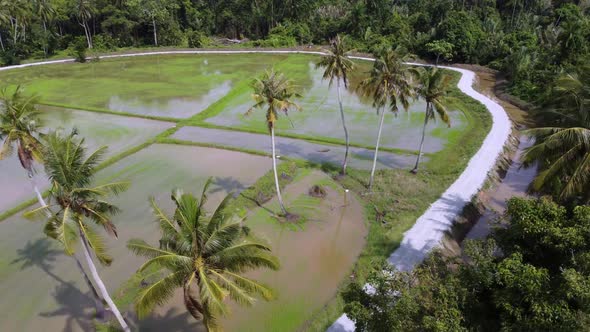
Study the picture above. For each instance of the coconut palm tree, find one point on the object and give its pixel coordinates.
(564, 150)
(389, 84)
(205, 256)
(20, 124)
(274, 92)
(79, 205)
(433, 86)
(337, 66)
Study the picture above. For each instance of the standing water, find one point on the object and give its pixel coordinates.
(515, 183)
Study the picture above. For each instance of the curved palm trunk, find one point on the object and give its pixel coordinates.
(426, 116)
(97, 299)
(101, 287)
(345, 162)
(274, 168)
(371, 180)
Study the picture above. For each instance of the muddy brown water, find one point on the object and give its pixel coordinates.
(42, 289)
(514, 184)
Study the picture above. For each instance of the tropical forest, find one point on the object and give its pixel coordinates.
(294, 165)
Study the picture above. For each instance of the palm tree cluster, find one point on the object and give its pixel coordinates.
(391, 84)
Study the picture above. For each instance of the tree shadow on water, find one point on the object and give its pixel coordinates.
(75, 307)
(174, 320)
(39, 254)
(227, 184)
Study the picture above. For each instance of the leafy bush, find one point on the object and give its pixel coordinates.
(9, 58)
(78, 49)
(104, 42)
(197, 39)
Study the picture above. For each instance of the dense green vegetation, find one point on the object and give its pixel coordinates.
(531, 41)
(530, 275)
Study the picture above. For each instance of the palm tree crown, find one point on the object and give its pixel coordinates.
(275, 92)
(336, 62)
(433, 86)
(71, 173)
(564, 150)
(19, 124)
(207, 252)
(389, 81)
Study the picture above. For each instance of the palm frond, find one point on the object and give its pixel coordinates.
(235, 292)
(158, 293)
(96, 242)
(142, 248)
(252, 286)
(212, 294)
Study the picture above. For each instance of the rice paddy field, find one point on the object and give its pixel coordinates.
(174, 121)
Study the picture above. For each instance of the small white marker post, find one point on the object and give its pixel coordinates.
(346, 197)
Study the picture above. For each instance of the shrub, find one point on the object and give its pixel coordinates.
(197, 39)
(78, 49)
(9, 58)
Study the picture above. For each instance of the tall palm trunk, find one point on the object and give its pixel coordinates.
(513, 12)
(97, 299)
(46, 41)
(101, 287)
(2, 43)
(426, 116)
(155, 31)
(274, 168)
(87, 33)
(372, 179)
(345, 162)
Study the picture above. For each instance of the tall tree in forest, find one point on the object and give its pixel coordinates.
(84, 12)
(274, 92)
(44, 11)
(337, 66)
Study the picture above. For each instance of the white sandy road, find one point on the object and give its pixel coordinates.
(430, 228)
